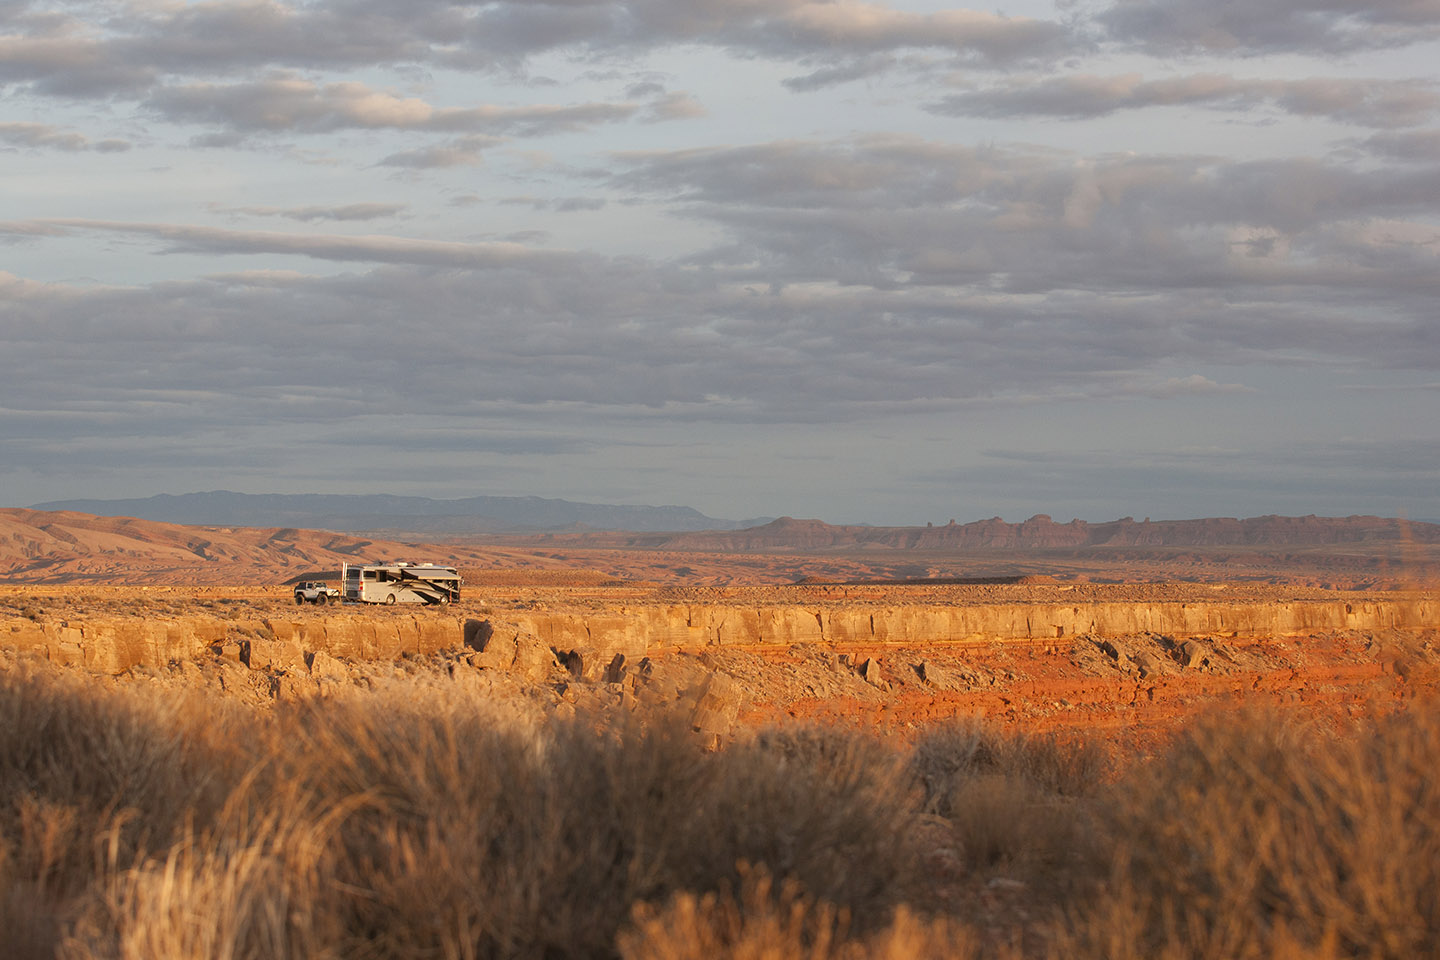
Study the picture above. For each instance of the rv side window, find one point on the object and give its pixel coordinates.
(371, 574)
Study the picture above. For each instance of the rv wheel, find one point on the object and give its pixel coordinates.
(390, 599)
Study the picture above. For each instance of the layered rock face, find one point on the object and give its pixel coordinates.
(115, 645)
(640, 630)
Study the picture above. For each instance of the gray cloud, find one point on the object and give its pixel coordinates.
(782, 29)
(576, 204)
(1274, 26)
(1365, 102)
(1113, 261)
(17, 230)
(862, 28)
(311, 214)
(1025, 258)
(910, 188)
(1419, 146)
(674, 106)
(43, 135)
(855, 68)
(852, 300)
(183, 238)
(1193, 385)
(99, 52)
(288, 102)
(560, 204)
(459, 152)
(861, 275)
(1322, 475)
(65, 59)
(432, 437)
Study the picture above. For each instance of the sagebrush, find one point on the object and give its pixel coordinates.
(422, 822)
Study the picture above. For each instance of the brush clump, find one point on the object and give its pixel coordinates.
(415, 822)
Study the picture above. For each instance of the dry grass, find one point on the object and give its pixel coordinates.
(407, 824)
(769, 921)
(1019, 805)
(1258, 837)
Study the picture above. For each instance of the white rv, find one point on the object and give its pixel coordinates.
(399, 582)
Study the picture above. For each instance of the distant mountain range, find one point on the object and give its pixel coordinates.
(383, 512)
(1040, 532)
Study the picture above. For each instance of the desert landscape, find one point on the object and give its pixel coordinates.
(719, 480)
(796, 740)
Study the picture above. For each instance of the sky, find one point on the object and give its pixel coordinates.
(869, 262)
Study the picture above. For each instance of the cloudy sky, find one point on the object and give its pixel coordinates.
(870, 262)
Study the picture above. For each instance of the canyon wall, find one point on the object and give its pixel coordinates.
(639, 630)
(114, 645)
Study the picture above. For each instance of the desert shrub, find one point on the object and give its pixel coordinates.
(29, 919)
(769, 921)
(1258, 837)
(472, 839)
(948, 753)
(1014, 800)
(91, 781)
(835, 811)
(423, 821)
(86, 772)
(217, 899)
(475, 838)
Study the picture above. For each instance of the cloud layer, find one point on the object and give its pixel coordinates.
(725, 249)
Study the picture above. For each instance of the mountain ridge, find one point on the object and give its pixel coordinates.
(363, 513)
(1041, 532)
(69, 547)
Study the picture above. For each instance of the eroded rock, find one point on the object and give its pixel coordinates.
(477, 633)
(1148, 664)
(1194, 653)
(534, 661)
(496, 652)
(717, 706)
(325, 667)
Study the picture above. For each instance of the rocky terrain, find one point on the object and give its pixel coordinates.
(872, 635)
(1344, 552)
(1132, 660)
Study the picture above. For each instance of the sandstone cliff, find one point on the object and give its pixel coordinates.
(113, 645)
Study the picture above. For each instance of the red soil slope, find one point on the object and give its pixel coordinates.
(63, 547)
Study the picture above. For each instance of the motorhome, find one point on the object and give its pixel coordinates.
(399, 582)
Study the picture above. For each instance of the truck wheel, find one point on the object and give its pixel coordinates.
(323, 599)
(299, 599)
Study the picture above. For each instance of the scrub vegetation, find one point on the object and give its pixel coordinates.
(395, 823)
